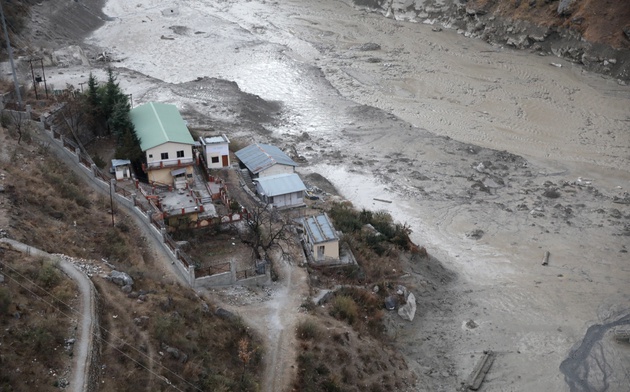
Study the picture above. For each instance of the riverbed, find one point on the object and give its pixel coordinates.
(492, 156)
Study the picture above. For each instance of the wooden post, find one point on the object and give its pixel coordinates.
(479, 373)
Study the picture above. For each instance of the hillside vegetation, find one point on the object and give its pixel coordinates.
(598, 21)
(157, 335)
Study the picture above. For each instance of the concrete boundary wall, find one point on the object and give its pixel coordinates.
(71, 155)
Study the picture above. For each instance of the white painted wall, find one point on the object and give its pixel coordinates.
(216, 150)
(154, 154)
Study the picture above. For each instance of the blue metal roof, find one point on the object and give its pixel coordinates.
(258, 157)
(120, 162)
(319, 229)
(281, 184)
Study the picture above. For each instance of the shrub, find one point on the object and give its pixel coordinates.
(308, 305)
(307, 330)
(344, 308)
(63, 294)
(115, 247)
(235, 207)
(98, 161)
(5, 120)
(165, 327)
(5, 300)
(48, 276)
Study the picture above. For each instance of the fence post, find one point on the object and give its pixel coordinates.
(191, 275)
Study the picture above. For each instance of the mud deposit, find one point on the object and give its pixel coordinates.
(492, 156)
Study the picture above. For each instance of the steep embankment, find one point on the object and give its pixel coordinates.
(593, 33)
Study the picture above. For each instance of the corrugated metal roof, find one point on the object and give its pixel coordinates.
(258, 157)
(120, 162)
(319, 228)
(159, 123)
(281, 184)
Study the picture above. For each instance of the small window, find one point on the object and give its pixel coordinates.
(150, 155)
(165, 155)
(215, 159)
(180, 154)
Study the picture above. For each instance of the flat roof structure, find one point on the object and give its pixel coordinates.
(215, 139)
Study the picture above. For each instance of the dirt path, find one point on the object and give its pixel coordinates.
(83, 354)
(273, 313)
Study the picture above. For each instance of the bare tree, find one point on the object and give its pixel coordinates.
(264, 229)
(19, 125)
(73, 118)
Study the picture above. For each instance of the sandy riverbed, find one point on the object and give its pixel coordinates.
(418, 120)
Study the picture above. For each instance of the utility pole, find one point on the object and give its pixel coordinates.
(41, 61)
(33, 76)
(112, 184)
(10, 52)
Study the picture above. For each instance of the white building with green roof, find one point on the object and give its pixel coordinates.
(166, 142)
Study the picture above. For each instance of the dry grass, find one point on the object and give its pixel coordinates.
(52, 209)
(333, 357)
(34, 323)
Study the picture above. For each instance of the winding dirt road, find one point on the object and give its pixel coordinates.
(274, 315)
(88, 322)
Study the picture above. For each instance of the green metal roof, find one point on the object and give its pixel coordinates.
(159, 123)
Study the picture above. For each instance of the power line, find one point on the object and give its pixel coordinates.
(100, 327)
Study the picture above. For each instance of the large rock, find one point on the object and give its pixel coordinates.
(408, 310)
(564, 7)
(226, 314)
(70, 56)
(120, 278)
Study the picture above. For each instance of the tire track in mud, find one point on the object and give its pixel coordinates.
(578, 368)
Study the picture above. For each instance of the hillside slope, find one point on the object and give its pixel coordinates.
(590, 32)
(600, 22)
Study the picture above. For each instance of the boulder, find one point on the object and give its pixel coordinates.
(564, 7)
(367, 47)
(402, 291)
(126, 289)
(475, 234)
(174, 353)
(408, 310)
(390, 302)
(70, 56)
(225, 314)
(120, 278)
(551, 193)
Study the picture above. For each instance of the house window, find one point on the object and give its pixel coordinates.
(180, 154)
(215, 159)
(165, 155)
(150, 155)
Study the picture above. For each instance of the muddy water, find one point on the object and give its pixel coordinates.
(448, 84)
(587, 368)
(429, 87)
